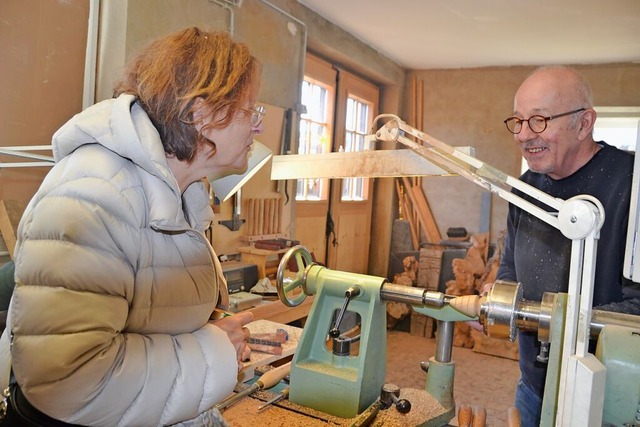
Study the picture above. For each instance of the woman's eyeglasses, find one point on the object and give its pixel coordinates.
(257, 114)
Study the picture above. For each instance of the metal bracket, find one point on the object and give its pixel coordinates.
(234, 223)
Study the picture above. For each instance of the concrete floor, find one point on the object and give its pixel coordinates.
(480, 379)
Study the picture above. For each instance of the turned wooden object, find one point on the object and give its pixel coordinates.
(465, 416)
(513, 417)
(467, 304)
(479, 417)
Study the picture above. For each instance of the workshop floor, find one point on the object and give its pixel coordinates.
(480, 379)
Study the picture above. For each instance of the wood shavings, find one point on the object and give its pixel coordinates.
(423, 408)
(287, 414)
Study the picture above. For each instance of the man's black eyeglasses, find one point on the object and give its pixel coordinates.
(536, 123)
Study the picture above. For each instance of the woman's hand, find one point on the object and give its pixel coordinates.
(238, 333)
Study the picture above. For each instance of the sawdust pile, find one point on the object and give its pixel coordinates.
(423, 408)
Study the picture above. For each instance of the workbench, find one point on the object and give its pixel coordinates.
(286, 414)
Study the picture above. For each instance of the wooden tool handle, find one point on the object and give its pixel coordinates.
(513, 417)
(273, 376)
(479, 416)
(465, 415)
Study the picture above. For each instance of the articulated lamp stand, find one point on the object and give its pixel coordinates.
(580, 218)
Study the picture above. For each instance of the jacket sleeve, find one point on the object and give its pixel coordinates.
(72, 352)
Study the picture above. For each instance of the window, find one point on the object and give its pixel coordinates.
(315, 135)
(358, 117)
(617, 126)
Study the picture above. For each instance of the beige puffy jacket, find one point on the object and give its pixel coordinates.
(116, 282)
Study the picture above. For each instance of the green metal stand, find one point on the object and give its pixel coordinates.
(341, 385)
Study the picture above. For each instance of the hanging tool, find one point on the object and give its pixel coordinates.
(280, 396)
(267, 380)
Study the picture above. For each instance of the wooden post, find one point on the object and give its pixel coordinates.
(10, 213)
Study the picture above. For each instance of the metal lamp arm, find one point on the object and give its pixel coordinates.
(456, 161)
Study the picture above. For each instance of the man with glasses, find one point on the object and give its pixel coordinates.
(552, 123)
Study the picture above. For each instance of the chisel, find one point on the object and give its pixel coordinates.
(267, 380)
(280, 396)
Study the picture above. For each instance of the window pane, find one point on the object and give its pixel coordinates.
(351, 115)
(363, 118)
(618, 131)
(314, 135)
(357, 121)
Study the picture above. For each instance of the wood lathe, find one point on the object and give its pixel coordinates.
(502, 312)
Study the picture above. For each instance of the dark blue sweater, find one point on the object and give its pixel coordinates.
(538, 255)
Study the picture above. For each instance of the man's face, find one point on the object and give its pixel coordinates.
(554, 150)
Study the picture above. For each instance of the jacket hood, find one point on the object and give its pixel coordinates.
(121, 126)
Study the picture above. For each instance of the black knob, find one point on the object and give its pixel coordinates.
(403, 405)
(389, 396)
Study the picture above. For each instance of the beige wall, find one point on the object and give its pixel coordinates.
(42, 75)
(466, 107)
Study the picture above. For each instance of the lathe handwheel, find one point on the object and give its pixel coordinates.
(287, 284)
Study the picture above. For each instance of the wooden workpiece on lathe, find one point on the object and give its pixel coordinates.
(467, 304)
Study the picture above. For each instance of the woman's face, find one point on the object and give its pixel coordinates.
(230, 145)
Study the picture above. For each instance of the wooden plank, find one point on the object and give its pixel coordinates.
(261, 216)
(257, 358)
(366, 164)
(420, 117)
(415, 233)
(266, 229)
(431, 227)
(249, 214)
(276, 214)
(419, 202)
(10, 213)
(408, 215)
(414, 105)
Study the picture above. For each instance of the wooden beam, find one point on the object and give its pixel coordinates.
(407, 213)
(425, 216)
(432, 230)
(361, 164)
(10, 214)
